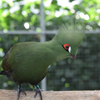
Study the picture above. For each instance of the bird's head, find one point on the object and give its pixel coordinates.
(70, 37)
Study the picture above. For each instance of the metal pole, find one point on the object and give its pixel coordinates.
(46, 32)
(43, 37)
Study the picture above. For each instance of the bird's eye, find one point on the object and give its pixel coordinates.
(67, 47)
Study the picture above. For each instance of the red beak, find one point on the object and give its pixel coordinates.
(73, 56)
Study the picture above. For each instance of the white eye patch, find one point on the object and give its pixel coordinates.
(69, 49)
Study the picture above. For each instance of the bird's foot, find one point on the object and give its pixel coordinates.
(19, 91)
(38, 91)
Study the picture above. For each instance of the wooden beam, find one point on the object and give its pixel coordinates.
(51, 95)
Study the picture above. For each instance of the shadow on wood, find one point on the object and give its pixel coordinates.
(51, 95)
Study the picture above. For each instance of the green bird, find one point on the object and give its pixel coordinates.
(27, 62)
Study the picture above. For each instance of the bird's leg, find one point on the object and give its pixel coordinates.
(19, 91)
(38, 91)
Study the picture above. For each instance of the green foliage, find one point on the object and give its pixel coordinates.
(90, 9)
(29, 11)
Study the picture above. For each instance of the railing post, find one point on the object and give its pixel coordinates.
(43, 37)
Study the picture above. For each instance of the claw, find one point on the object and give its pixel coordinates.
(38, 91)
(19, 91)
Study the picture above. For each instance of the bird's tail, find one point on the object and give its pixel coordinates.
(5, 73)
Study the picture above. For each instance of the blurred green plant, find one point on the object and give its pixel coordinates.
(20, 12)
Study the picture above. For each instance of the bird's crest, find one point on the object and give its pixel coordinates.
(72, 34)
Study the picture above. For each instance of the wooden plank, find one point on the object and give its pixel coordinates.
(51, 95)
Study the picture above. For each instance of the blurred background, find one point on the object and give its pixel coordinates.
(39, 20)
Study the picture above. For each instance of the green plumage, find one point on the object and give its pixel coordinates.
(27, 62)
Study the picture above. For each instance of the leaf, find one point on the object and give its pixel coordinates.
(71, 0)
